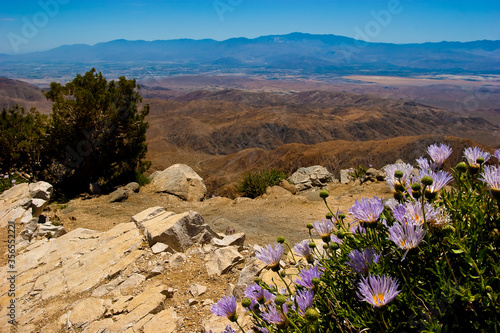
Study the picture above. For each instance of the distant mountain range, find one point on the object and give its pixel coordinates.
(296, 51)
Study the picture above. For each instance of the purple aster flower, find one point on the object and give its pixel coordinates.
(425, 164)
(497, 154)
(261, 329)
(412, 213)
(307, 275)
(228, 329)
(303, 250)
(324, 229)
(378, 290)
(473, 154)
(271, 256)
(491, 176)
(258, 295)
(358, 229)
(406, 236)
(273, 316)
(391, 179)
(439, 180)
(304, 300)
(439, 153)
(226, 307)
(361, 261)
(367, 211)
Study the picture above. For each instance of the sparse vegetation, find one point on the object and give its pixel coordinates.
(357, 172)
(95, 133)
(255, 183)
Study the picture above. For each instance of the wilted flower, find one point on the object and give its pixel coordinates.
(439, 153)
(472, 155)
(226, 307)
(271, 256)
(324, 229)
(360, 261)
(304, 300)
(406, 236)
(304, 250)
(394, 182)
(378, 290)
(307, 275)
(491, 176)
(367, 211)
(441, 220)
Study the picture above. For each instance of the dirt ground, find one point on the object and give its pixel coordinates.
(278, 213)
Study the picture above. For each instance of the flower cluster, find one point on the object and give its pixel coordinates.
(387, 265)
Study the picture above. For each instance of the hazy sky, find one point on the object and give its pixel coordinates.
(32, 25)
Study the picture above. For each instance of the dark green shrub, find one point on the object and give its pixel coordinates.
(255, 183)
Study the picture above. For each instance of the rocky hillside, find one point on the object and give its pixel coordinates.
(229, 121)
(14, 92)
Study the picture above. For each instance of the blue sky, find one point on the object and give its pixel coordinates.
(33, 25)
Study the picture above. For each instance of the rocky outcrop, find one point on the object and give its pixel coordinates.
(314, 176)
(24, 202)
(182, 181)
(178, 231)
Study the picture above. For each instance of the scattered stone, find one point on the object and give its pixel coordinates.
(159, 247)
(287, 186)
(94, 188)
(314, 176)
(177, 259)
(182, 181)
(222, 260)
(118, 195)
(130, 285)
(41, 190)
(345, 177)
(157, 270)
(197, 289)
(132, 187)
(231, 240)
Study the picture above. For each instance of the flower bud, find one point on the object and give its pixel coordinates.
(309, 226)
(246, 302)
(329, 216)
(334, 246)
(311, 315)
(281, 239)
(280, 300)
(427, 180)
(282, 274)
(341, 216)
(257, 280)
(480, 160)
(323, 194)
(416, 187)
(461, 167)
(399, 174)
(312, 245)
(325, 246)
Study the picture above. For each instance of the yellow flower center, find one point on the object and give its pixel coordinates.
(378, 299)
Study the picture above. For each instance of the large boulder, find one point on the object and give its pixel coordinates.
(182, 181)
(178, 231)
(309, 177)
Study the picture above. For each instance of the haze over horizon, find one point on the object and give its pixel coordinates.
(37, 25)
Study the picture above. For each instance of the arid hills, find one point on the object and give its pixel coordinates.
(224, 127)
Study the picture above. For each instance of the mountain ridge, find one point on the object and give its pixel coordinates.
(294, 51)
